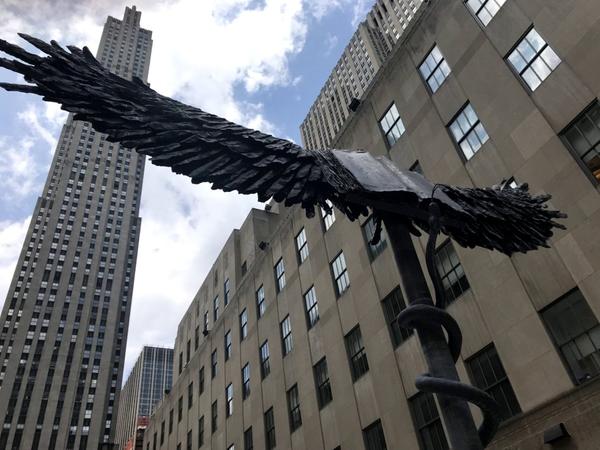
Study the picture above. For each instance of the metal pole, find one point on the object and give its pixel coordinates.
(455, 411)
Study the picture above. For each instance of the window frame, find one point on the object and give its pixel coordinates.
(448, 242)
(265, 364)
(358, 361)
(229, 400)
(457, 143)
(311, 319)
(435, 423)
(261, 308)
(528, 64)
(214, 417)
(270, 436)
(475, 14)
(302, 251)
(344, 272)
(279, 277)
(246, 389)
(327, 220)
(293, 403)
(227, 345)
(214, 361)
(373, 250)
(243, 324)
(323, 387)
(386, 139)
(368, 437)
(398, 334)
(426, 79)
(287, 343)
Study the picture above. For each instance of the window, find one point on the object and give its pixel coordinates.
(434, 69)
(368, 232)
(392, 125)
(393, 305)
(231, 447)
(180, 368)
(265, 367)
(301, 246)
(487, 373)
(280, 275)
(162, 432)
(227, 344)
(246, 381)
(286, 336)
(294, 408)
(575, 331)
(170, 421)
(180, 409)
(427, 422)
(216, 308)
(201, 431)
(356, 353)
(583, 138)
(485, 10)
(453, 277)
(260, 302)
(374, 437)
(533, 59)
(311, 307)
(206, 322)
(229, 400)
(201, 380)
(213, 364)
(340, 274)
(324, 394)
(270, 429)
(248, 439)
(226, 292)
(328, 217)
(243, 324)
(468, 131)
(214, 417)
(188, 441)
(190, 394)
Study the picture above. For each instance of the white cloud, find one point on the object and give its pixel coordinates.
(12, 235)
(19, 170)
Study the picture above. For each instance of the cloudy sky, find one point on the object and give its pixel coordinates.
(257, 62)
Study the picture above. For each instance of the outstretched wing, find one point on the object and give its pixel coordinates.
(192, 142)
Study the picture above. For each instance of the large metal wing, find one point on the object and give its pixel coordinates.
(208, 148)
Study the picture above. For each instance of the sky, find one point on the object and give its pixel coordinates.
(260, 63)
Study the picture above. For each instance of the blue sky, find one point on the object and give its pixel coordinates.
(258, 62)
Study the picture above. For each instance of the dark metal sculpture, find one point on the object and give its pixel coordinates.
(208, 148)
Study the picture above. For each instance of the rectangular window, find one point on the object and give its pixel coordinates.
(243, 324)
(357, 355)
(575, 331)
(427, 422)
(265, 367)
(190, 394)
(229, 400)
(324, 394)
(374, 437)
(533, 59)
(206, 322)
(311, 307)
(201, 380)
(213, 417)
(201, 432)
(487, 372)
(162, 432)
(369, 228)
(180, 409)
(270, 429)
(485, 10)
(260, 302)
(294, 408)
(434, 69)
(226, 292)
(340, 274)
(279, 275)
(248, 445)
(180, 368)
(213, 364)
(188, 441)
(215, 308)
(328, 216)
(246, 381)
(301, 246)
(583, 139)
(393, 305)
(170, 421)
(227, 344)
(391, 125)
(468, 131)
(196, 338)
(451, 272)
(286, 336)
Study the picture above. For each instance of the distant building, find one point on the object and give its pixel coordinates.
(304, 349)
(362, 58)
(65, 319)
(145, 387)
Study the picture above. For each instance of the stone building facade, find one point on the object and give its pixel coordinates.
(474, 93)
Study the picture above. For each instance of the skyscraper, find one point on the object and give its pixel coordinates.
(65, 318)
(365, 54)
(145, 387)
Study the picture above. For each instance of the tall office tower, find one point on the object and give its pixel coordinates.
(368, 49)
(65, 318)
(145, 387)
